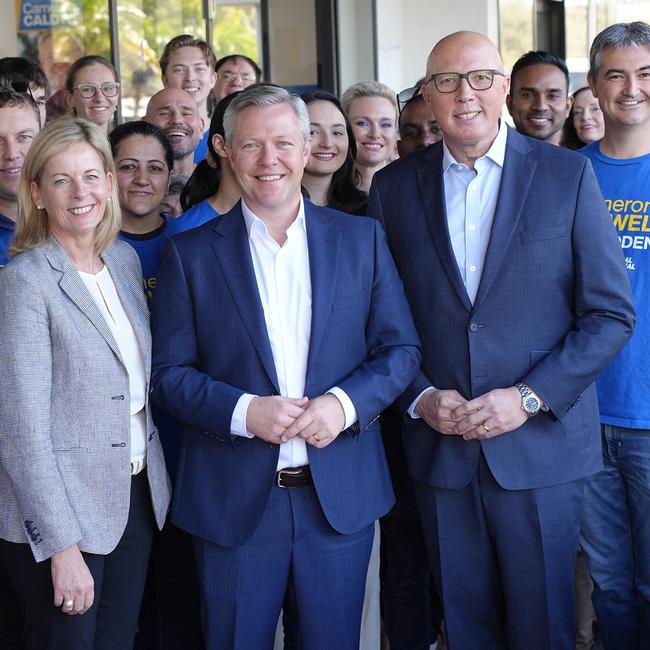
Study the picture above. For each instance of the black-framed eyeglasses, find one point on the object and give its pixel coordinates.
(406, 96)
(88, 91)
(448, 82)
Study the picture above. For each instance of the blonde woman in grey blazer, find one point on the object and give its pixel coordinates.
(82, 476)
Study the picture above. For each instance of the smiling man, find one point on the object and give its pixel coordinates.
(175, 112)
(539, 100)
(281, 332)
(616, 524)
(19, 124)
(518, 291)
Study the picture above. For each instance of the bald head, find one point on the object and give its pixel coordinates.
(446, 50)
(176, 112)
(468, 117)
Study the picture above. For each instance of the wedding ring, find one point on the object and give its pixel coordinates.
(486, 429)
(316, 438)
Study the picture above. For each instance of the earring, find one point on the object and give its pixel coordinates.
(39, 207)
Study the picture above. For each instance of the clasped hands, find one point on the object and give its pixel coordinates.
(277, 419)
(493, 413)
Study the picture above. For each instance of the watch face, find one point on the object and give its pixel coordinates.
(531, 404)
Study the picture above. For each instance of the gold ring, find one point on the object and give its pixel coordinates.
(486, 429)
(316, 438)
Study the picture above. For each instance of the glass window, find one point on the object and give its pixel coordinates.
(236, 29)
(516, 29)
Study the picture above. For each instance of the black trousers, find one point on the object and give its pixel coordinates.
(111, 623)
(411, 609)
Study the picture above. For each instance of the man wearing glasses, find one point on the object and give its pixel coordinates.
(518, 289)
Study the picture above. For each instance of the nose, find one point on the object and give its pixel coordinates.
(325, 140)
(141, 176)
(79, 188)
(631, 87)
(11, 150)
(267, 155)
(539, 102)
(464, 92)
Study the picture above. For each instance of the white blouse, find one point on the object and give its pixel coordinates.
(103, 291)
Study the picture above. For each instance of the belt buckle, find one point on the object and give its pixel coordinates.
(287, 471)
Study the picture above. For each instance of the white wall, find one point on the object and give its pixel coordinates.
(8, 40)
(356, 41)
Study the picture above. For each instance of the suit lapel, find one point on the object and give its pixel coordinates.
(72, 285)
(324, 242)
(232, 250)
(432, 195)
(518, 169)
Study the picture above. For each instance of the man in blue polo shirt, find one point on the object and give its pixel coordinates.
(616, 519)
(19, 124)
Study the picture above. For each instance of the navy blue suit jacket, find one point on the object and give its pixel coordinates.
(211, 346)
(553, 308)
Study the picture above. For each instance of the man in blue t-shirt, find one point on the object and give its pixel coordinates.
(19, 124)
(616, 516)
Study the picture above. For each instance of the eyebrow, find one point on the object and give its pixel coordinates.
(138, 160)
(341, 125)
(643, 67)
(541, 90)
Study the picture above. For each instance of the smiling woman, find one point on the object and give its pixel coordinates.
(83, 486)
(93, 90)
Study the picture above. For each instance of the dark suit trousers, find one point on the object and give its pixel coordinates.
(504, 562)
(242, 588)
(110, 624)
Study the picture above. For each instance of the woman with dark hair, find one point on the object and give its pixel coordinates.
(212, 189)
(329, 177)
(585, 123)
(92, 90)
(143, 163)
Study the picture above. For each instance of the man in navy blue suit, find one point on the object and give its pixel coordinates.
(519, 294)
(280, 335)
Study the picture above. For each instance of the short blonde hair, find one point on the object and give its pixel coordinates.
(368, 89)
(32, 228)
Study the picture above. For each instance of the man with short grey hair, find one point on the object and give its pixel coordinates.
(616, 516)
(281, 334)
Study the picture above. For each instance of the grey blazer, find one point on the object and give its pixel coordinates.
(64, 405)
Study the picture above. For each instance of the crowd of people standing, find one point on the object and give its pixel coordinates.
(268, 356)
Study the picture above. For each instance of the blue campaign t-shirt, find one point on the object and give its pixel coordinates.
(201, 150)
(624, 387)
(197, 215)
(7, 227)
(148, 246)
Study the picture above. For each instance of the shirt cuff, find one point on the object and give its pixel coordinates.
(411, 412)
(346, 403)
(238, 419)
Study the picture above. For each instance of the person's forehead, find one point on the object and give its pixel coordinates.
(237, 65)
(461, 54)
(187, 55)
(174, 98)
(625, 57)
(416, 111)
(268, 120)
(17, 117)
(542, 76)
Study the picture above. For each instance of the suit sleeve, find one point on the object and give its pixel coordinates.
(392, 342)
(420, 382)
(177, 385)
(604, 308)
(26, 449)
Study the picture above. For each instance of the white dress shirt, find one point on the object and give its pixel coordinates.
(284, 285)
(470, 202)
(102, 290)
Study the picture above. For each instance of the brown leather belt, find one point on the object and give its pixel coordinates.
(294, 477)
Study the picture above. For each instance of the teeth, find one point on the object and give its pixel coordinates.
(275, 177)
(176, 134)
(12, 170)
(323, 156)
(85, 210)
(371, 145)
(467, 116)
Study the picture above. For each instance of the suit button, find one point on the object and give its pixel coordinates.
(473, 326)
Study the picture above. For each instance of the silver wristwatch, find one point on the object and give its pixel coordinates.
(530, 403)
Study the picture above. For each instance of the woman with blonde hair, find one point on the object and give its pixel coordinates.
(371, 108)
(82, 476)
